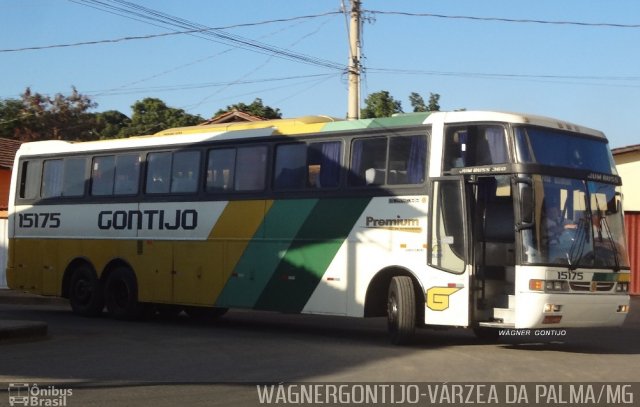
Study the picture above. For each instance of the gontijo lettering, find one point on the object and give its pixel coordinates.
(149, 219)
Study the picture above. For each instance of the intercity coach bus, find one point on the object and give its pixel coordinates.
(484, 220)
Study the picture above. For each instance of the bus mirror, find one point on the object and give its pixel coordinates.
(526, 204)
(613, 205)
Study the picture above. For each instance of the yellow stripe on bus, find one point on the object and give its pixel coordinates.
(234, 229)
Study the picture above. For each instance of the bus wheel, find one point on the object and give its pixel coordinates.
(85, 292)
(401, 310)
(205, 313)
(121, 295)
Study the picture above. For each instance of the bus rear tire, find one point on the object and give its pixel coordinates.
(401, 310)
(85, 292)
(121, 295)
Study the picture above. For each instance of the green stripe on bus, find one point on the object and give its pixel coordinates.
(264, 252)
(604, 277)
(310, 254)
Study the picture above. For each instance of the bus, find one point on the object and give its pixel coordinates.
(483, 220)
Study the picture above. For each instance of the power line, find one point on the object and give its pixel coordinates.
(150, 36)
(503, 20)
(154, 17)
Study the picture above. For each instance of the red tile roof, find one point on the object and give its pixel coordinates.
(8, 150)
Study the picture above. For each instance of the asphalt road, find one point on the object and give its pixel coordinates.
(166, 362)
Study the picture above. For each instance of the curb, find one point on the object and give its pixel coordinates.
(18, 297)
(14, 329)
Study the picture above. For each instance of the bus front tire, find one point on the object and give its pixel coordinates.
(85, 292)
(121, 295)
(401, 310)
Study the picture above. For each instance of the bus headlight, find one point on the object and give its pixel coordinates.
(552, 308)
(548, 285)
(622, 287)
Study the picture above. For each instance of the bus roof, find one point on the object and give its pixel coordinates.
(295, 126)
(516, 118)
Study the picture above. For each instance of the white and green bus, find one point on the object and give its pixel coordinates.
(484, 220)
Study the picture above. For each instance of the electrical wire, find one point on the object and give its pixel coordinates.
(503, 20)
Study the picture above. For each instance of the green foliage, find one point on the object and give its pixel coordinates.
(38, 117)
(380, 104)
(152, 115)
(434, 102)
(417, 102)
(110, 124)
(256, 108)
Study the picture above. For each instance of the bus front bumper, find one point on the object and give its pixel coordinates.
(551, 310)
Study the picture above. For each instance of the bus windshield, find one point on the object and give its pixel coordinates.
(577, 223)
(569, 149)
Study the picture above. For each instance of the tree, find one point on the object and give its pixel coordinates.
(152, 115)
(40, 117)
(256, 108)
(417, 102)
(110, 124)
(434, 105)
(10, 113)
(381, 104)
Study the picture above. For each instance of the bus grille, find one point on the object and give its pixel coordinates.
(592, 286)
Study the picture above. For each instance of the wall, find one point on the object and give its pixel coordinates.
(632, 227)
(628, 165)
(3, 252)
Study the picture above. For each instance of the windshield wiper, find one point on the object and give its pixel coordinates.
(581, 239)
(604, 224)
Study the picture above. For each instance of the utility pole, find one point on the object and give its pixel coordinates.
(353, 112)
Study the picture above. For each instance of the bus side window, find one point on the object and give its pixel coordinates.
(127, 175)
(474, 145)
(323, 164)
(290, 171)
(220, 170)
(251, 166)
(158, 173)
(74, 176)
(368, 161)
(102, 171)
(184, 172)
(30, 179)
(407, 160)
(51, 179)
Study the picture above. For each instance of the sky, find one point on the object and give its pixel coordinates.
(585, 74)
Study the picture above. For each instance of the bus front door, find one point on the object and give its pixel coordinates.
(447, 283)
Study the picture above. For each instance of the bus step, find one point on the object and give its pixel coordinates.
(506, 315)
(495, 324)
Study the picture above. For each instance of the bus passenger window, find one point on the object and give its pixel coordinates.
(368, 162)
(52, 179)
(127, 174)
(474, 145)
(158, 173)
(102, 175)
(290, 171)
(251, 168)
(323, 164)
(29, 179)
(220, 170)
(184, 172)
(407, 160)
(74, 176)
